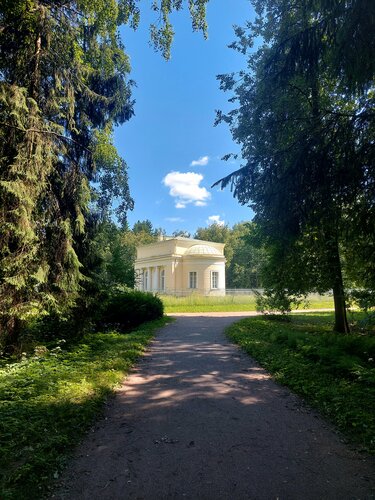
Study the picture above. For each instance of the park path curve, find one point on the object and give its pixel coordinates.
(198, 419)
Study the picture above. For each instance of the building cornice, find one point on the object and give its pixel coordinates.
(164, 257)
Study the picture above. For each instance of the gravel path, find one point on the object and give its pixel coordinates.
(198, 419)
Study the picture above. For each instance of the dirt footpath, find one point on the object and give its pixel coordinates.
(198, 419)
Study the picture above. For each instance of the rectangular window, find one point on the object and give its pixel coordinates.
(145, 280)
(193, 279)
(162, 280)
(214, 279)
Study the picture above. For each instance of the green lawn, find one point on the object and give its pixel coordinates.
(229, 303)
(333, 372)
(48, 402)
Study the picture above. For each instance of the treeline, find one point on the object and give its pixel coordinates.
(117, 248)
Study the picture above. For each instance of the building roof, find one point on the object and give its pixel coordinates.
(202, 250)
(180, 247)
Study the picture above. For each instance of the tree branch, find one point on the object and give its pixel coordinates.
(50, 132)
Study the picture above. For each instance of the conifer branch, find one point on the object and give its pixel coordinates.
(50, 132)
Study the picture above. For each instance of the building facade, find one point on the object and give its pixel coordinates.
(180, 266)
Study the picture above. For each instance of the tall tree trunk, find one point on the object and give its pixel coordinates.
(341, 320)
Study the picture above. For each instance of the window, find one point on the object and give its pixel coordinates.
(162, 279)
(214, 279)
(192, 279)
(145, 280)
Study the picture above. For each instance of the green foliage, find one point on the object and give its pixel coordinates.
(162, 33)
(181, 233)
(247, 258)
(64, 86)
(335, 373)
(218, 233)
(363, 298)
(114, 252)
(128, 309)
(305, 136)
(143, 226)
(114, 257)
(50, 399)
(275, 300)
(338, 34)
(244, 258)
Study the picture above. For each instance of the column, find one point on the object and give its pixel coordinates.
(156, 281)
(149, 288)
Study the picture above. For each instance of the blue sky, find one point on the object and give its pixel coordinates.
(171, 146)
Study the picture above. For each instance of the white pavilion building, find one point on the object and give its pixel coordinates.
(180, 266)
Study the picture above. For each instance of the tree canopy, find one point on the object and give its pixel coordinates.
(305, 123)
(244, 259)
(64, 85)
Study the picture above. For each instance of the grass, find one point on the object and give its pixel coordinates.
(333, 372)
(229, 303)
(49, 401)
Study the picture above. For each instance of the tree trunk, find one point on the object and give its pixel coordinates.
(10, 330)
(341, 320)
(35, 76)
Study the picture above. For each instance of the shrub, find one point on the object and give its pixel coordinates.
(272, 300)
(118, 307)
(363, 298)
(128, 309)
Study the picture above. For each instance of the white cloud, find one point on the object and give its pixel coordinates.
(203, 160)
(185, 188)
(215, 219)
(174, 219)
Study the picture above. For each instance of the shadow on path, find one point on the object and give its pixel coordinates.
(198, 419)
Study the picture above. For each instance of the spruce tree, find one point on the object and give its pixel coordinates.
(64, 85)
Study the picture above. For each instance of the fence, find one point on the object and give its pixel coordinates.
(228, 292)
(219, 292)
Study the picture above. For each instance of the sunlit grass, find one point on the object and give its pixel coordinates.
(48, 401)
(228, 303)
(333, 372)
